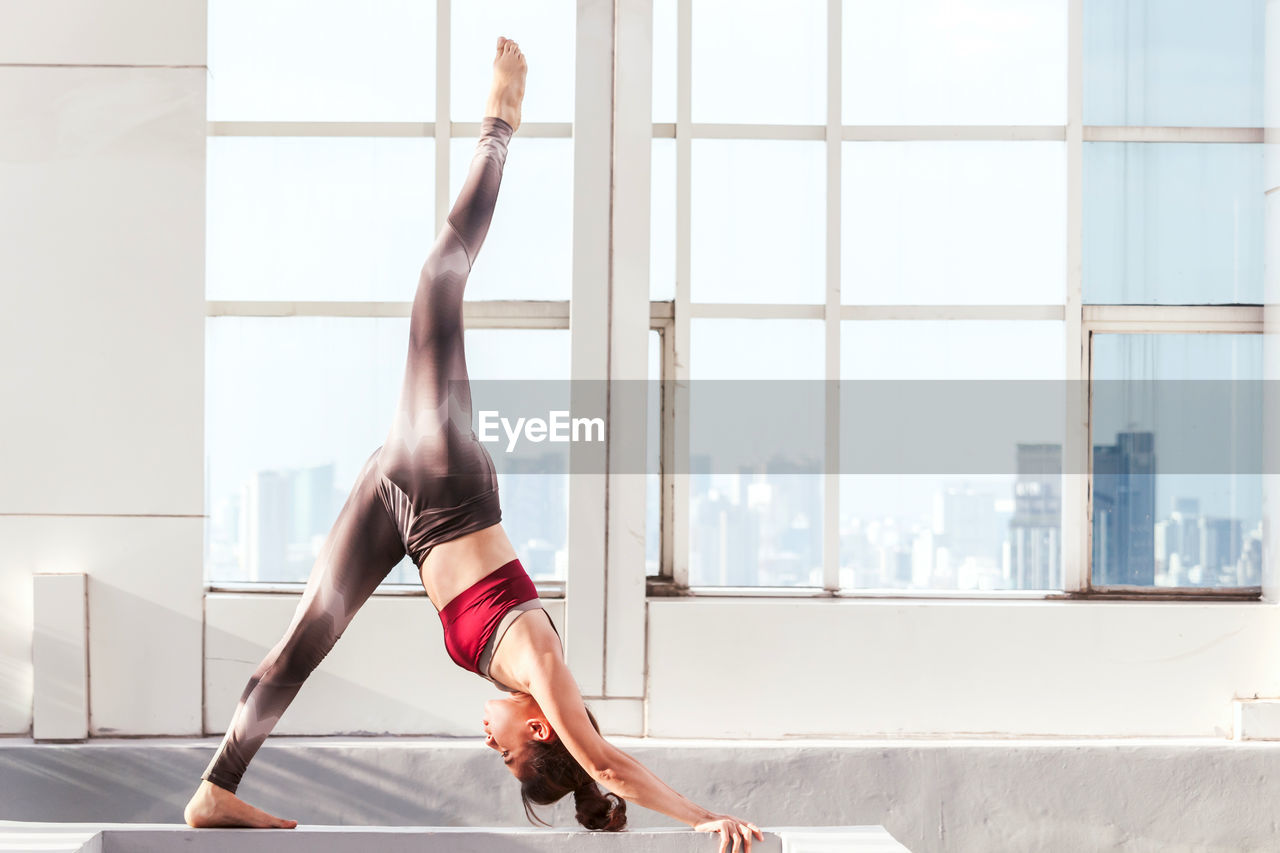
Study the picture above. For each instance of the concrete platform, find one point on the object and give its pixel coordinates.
(16, 837)
(934, 796)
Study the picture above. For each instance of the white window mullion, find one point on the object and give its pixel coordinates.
(678, 481)
(667, 130)
(1102, 133)
(951, 312)
(1138, 319)
(489, 314)
(831, 373)
(443, 126)
(1075, 450)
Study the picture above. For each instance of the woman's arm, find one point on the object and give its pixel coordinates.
(556, 692)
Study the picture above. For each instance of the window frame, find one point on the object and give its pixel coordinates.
(672, 318)
(1081, 320)
(484, 314)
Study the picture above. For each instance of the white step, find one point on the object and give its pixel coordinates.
(18, 837)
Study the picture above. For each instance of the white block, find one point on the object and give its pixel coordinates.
(60, 656)
(144, 591)
(1256, 719)
(838, 839)
(16, 681)
(95, 32)
(102, 172)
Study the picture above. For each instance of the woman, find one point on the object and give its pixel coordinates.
(431, 491)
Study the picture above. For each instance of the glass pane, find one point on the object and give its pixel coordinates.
(755, 522)
(766, 350)
(662, 221)
(546, 32)
(318, 218)
(285, 60)
(984, 531)
(528, 252)
(1171, 223)
(294, 407)
(941, 62)
(953, 223)
(759, 211)
(952, 349)
(1174, 63)
(653, 463)
(759, 61)
(664, 60)
(534, 488)
(1177, 485)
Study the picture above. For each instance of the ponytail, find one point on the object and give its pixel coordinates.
(550, 772)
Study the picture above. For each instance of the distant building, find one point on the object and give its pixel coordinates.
(535, 510)
(284, 519)
(1124, 510)
(964, 522)
(264, 526)
(1035, 531)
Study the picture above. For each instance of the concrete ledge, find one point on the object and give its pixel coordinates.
(161, 838)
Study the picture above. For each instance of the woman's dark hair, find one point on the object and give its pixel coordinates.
(550, 772)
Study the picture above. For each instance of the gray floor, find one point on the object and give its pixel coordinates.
(981, 795)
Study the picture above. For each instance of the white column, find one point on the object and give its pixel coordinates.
(628, 355)
(589, 344)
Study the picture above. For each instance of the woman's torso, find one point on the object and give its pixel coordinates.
(453, 566)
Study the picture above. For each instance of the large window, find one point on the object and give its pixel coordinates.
(917, 272)
(947, 217)
(339, 134)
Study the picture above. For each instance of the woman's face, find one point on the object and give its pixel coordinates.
(510, 723)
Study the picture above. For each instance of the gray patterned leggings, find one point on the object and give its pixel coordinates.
(430, 459)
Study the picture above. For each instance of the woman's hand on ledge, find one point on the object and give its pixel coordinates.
(740, 831)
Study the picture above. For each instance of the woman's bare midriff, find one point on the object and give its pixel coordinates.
(451, 567)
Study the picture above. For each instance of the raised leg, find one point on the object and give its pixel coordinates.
(360, 550)
(433, 418)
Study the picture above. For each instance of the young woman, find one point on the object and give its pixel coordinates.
(431, 491)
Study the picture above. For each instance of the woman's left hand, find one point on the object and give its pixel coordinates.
(731, 827)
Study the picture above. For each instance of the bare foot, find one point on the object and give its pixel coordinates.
(214, 806)
(507, 92)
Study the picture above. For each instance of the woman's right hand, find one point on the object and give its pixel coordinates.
(731, 827)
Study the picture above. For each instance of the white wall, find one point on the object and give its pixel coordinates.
(101, 338)
(102, 169)
(752, 668)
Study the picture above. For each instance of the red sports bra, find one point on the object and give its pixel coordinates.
(473, 614)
